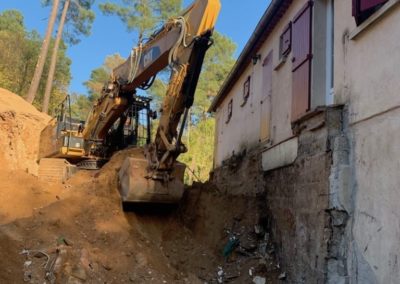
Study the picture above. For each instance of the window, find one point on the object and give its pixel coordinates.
(362, 9)
(229, 112)
(285, 41)
(246, 90)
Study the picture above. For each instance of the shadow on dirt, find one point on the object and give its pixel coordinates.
(150, 209)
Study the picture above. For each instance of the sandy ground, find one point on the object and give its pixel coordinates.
(76, 232)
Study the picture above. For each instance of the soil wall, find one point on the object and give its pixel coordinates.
(20, 127)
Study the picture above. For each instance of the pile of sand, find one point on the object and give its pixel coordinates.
(20, 127)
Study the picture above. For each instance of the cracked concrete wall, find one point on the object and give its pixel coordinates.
(308, 226)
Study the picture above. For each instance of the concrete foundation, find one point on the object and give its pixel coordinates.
(307, 197)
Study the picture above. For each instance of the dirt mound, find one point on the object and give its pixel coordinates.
(90, 239)
(20, 127)
(77, 232)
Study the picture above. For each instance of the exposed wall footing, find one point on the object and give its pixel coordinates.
(307, 195)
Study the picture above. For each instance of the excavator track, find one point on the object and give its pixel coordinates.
(91, 164)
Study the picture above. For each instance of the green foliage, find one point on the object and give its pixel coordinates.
(200, 136)
(168, 8)
(200, 141)
(19, 51)
(142, 16)
(12, 21)
(80, 106)
(79, 19)
(101, 75)
(218, 62)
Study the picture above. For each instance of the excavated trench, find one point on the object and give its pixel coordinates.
(76, 232)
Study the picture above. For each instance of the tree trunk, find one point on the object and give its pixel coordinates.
(43, 54)
(53, 63)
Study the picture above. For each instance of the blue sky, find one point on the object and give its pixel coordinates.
(237, 20)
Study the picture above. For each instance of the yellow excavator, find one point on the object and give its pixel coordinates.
(152, 173)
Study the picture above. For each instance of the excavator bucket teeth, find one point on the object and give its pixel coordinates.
(135, 187)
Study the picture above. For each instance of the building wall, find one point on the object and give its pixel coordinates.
(366, 80)
(355, 180)
(243, 131)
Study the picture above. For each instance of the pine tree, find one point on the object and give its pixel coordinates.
(43, 54)
(80, 17)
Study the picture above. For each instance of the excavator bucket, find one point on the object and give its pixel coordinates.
(135, 187)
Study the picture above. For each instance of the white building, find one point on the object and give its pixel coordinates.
(304, 58)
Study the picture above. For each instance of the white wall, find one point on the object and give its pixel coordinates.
(367, 70)
(243, 131)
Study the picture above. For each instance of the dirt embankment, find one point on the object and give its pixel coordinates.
(208, 238)
(77, 232)
(20, 126)
(20, 190)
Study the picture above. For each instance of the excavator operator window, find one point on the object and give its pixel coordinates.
(71, 141)
(137, 126)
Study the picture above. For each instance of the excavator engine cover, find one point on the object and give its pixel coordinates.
(135, 187)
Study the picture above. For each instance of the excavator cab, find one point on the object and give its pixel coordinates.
(133, 128)
(62, 137)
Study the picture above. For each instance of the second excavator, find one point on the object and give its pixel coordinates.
(152, 173)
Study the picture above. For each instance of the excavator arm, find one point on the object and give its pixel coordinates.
(153, 174)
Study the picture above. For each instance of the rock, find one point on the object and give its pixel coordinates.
(282, 276)
(62, 257)
(27, 263)
(79, 272)
(259, 280)
(107, 266)
(27, 276)
(85, 259)
(63, 240)
(220, 275)
(72, 280)
(262, 249)
(258, 229)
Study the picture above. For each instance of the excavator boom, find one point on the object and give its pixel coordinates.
(153, 174)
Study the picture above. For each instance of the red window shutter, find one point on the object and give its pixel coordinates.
(285, 41)
(301, 46)
(368, 4)
(362, 9)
